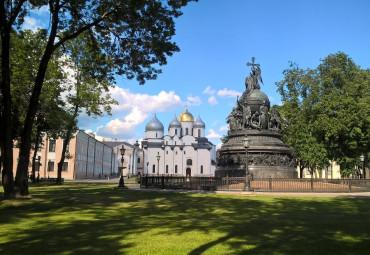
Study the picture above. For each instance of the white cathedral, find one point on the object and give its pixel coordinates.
(185, 151)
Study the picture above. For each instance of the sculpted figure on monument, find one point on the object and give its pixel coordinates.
(251, 82)
(264, 116)
(275, 123)
(246, 116)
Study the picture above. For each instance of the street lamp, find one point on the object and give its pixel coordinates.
(38, 168)
(362, 158)
(121, 181)
(247, 186)
(158, 158)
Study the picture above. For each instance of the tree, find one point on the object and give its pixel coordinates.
(135, 34)
(88, 92)
(327, 112)
(297, 114)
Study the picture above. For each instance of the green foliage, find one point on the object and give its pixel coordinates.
(26, 51)
(98, 219)
(327, 112)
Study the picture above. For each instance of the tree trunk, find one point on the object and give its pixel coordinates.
(37, 140)
(6, 123)
(66, 141)
(25, 144)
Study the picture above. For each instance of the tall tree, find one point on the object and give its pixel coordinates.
(88, 88)
(327, 110)
(135, 34)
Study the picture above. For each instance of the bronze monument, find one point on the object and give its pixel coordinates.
(252, 117)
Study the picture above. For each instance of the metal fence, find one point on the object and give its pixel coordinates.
(260, 184)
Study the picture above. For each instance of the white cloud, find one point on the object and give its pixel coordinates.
(42, 10)
(193, 101)
(135, 109)
(224, 128)
(163, 102)
(213, 134)
(212, 100)
(215, 123)
(218, 146)
(209, 91)
(30, 23)
(228, 93)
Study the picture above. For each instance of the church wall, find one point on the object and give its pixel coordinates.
(201, 131)
(187, 125)
(174, 131)
(154, 134)
(188, 140)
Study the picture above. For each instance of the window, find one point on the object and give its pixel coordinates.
(201, 169)
(52, 144)
(186, 131)
(156, 135)
(138, 160)
(166, 169)
(175, 169)
(184, 152)
(51, 166)
(39, 147)
(166, 142)
(166, 152)
(198, 132)
(176, 131)
(65, 167)
(175, 142)
(153, 171)
(189, 162)
(67, 149)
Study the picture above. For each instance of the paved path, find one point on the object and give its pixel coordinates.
(237, 193)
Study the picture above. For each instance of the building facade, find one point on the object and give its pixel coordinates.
(132, 159)
(184, 151)
(86, 158)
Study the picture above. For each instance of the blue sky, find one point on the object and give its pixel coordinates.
(217, 38)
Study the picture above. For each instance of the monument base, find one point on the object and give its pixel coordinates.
(258, 172)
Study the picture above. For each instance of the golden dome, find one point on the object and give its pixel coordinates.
(186, 116)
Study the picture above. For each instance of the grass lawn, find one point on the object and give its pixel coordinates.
(98, 219)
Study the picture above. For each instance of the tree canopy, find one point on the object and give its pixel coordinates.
(327, 112)
(131, 38)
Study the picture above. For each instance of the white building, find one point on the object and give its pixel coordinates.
(185, 151)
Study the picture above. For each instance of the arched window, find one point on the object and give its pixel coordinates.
(156, 135)
(175, 131)
(166, 169)
(198, 132)
(175, 169)
(186, 131)
(189, 162)
(153, 169)
(201, 169)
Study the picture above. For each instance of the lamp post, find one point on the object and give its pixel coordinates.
(362, 158)
(247, 186)
(158, 158)
(121, 181)
(38, 168)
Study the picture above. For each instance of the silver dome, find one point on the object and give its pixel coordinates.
(154, 125)
(175, 123)
(198, 123)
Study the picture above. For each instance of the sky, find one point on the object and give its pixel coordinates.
(217, 38)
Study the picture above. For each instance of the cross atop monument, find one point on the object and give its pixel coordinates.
(253, 64)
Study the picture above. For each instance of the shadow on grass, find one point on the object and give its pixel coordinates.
(96, 219)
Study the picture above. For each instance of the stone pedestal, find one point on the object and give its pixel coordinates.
(268, 156)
